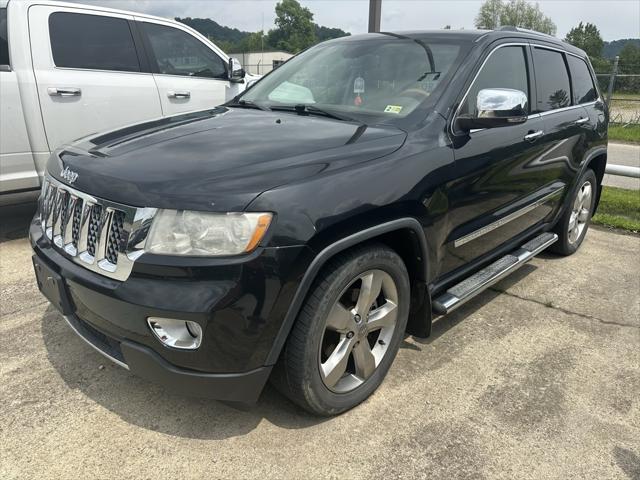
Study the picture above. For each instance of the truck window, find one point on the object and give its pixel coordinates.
(505, 68)
(4, 38)
(584, 90)
(92, 42)
(552, 80)
(178, 53)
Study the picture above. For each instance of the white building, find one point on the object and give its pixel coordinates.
(261, 62)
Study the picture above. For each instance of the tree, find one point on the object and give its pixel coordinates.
(517, 13)
(587, 37)
(630, 59)
(295, 29)
(489, 15)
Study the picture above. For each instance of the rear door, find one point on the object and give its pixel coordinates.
(190, 75)
(89, 72)
(504, 185)
(566, 121)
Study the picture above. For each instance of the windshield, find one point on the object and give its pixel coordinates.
(387, 77)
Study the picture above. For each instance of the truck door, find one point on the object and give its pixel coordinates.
(190, 75)
(90, 73)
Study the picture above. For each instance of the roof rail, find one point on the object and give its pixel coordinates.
(511, 28)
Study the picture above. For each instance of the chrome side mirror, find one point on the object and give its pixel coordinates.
(496, 107)
(235, 71)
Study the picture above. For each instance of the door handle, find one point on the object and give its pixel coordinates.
(581, 121)
(64, 91)
(533, 136)
(172, 94)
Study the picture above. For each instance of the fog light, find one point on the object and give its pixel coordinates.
(183, 334)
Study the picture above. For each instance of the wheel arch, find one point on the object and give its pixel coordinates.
(406, 237)
(598, 163)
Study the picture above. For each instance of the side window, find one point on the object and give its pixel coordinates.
(584, 90)
(505, 68)
(552, 80)
(93, 42)
(4, 38)
(178, 53)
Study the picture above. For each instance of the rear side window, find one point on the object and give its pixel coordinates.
(505, 68)
(584, 90)
(92, 42)
(4, 38)
(179, 53)
(552, 80)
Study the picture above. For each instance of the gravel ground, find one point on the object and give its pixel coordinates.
(536, 378)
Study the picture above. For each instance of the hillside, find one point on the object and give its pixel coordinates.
(611, 49)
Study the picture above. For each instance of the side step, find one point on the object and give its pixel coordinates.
(476, 283)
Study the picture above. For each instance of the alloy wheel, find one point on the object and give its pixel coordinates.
(581, 212)
(358, 331)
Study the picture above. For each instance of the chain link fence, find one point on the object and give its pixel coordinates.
(621, 85)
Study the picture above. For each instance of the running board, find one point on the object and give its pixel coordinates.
(476, 283)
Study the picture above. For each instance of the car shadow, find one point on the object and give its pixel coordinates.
(142, 403)
(15, 220)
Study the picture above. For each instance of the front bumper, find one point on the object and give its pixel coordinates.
(240, 305)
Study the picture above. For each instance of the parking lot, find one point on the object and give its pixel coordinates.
(538, 377)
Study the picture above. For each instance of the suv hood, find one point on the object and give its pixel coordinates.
(217, 160)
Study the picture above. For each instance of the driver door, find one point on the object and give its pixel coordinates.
(189, 74)
(507, 177)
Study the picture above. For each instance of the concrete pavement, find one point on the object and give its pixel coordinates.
(623, 154)
(537, 378)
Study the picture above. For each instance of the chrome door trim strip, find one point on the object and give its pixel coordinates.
(506, 219)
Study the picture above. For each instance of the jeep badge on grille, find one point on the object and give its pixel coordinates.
(69, 175)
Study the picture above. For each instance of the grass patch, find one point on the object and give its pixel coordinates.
(619, 208)
(625, 133)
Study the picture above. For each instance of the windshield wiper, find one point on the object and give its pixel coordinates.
(248, 104)
(305, 109)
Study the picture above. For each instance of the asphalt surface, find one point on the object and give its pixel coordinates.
(623, 154)
(536, 378)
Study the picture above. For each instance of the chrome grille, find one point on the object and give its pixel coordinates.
(100, 235)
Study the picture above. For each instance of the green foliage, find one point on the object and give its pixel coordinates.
(518, 13)
(587, 37)
(619, 208)
(295, 29)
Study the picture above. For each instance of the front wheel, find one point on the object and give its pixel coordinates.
(574, 223)
(348, 332)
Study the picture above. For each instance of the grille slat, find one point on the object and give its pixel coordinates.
(93, 232)
(116, 237)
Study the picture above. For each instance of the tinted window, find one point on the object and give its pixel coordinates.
(4, 38)
(178, 53)
(552, 80)
(505, 68)
(92, 41)
(583, 88)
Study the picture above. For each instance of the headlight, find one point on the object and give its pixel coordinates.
(183, 232)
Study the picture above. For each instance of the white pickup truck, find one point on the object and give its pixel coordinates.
(70, 70)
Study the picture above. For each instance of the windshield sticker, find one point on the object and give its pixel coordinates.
(358, 85)
(393, 109)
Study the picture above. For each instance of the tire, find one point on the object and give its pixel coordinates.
(574, 223)
(327, 330)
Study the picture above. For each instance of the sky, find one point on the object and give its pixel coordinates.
(615, 18)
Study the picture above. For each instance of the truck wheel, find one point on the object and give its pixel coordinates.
(574, 223)
(347, 333)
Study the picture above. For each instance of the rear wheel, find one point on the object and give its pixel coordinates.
(574, 223)
(348, 332)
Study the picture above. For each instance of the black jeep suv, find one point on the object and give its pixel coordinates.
(300, 231)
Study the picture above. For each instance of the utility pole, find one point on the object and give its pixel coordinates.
(375, 11)
(612, 80)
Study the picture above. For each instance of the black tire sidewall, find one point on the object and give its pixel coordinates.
(321, 398)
